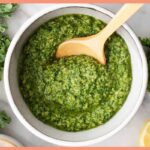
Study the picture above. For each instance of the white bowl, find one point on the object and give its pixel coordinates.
(82, 138)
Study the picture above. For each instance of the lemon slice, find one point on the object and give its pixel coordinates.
(145, 135)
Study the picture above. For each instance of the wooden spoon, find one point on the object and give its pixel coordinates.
(94, 45)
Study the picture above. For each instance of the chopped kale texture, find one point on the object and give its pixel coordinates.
(73, 93)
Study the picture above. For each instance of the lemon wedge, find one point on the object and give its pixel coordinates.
(145, 135)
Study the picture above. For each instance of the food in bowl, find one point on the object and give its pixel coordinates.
(73, 93)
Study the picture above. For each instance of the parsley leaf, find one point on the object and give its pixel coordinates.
(5, 11)
(4, 44)
(4, 119)
(146, 42)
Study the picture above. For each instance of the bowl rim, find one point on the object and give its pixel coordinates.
(14, 107)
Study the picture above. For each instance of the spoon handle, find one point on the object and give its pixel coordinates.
(121, 17)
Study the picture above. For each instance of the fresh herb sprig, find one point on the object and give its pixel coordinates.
(4, 119)
(146, 42)
(6, 11)
(4, 44)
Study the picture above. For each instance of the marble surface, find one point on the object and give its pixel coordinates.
(129, 135)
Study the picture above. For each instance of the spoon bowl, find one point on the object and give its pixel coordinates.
(83, 46)
(94, 45)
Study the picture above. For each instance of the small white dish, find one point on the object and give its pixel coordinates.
(7, 141)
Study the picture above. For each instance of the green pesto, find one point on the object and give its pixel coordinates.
(74, 93)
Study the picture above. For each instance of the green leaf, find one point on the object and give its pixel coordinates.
(146, 42)
(4, 119)
(7, 9)
(2, 28)
(4, 44)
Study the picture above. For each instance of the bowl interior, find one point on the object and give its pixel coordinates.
(103, 131)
